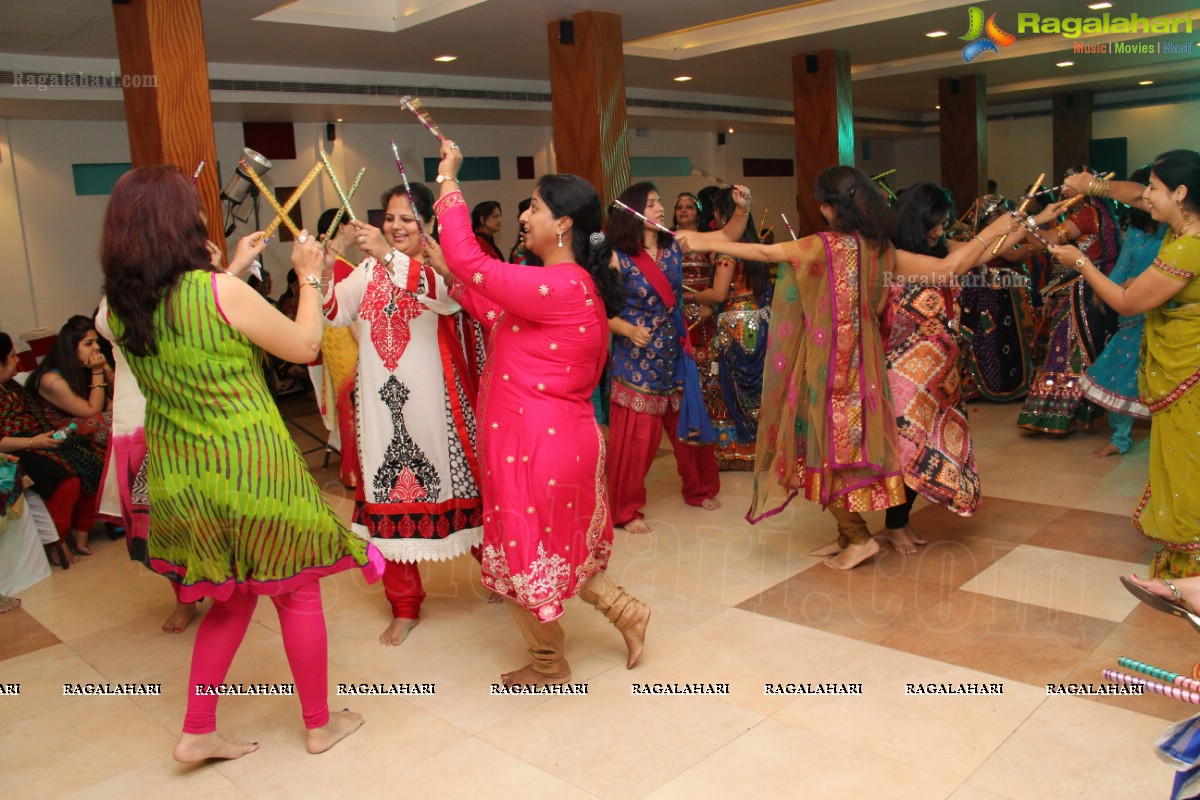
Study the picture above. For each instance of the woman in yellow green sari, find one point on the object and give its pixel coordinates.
(1169, 294)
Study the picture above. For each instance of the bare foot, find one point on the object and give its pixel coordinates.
(180, 618)
(637, 526)
(528, 676)
(635, 635)
(900, 540)
(9, 604)
(826, 550)
(916, 537)
(398, 631)
(853, 555)
(495, 598)
(1109, 449)
(193, 748)
(80, 538)
(341, 724)
(710, 503)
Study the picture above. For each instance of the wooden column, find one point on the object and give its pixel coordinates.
(167, 106)
(1072, 131)
(587, 86)
(963, 131)
(824, 126)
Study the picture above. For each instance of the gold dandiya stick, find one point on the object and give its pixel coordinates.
(337, 186)
(1020, 210)
(337, 218)
(415, 105)
(644, 218)
(280, 211)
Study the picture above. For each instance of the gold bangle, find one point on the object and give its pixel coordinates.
(742, 213)
(98, 385)
(981, 241)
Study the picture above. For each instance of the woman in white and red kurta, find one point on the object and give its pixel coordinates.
(419, 498)
(547, 531)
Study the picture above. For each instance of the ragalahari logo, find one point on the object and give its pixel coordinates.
(983, 37)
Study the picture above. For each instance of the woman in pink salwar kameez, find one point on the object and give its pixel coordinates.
(547, 533)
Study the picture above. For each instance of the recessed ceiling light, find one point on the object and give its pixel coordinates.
(682, 78)
(1098, 6)
(936, 34)
(1145, 83)
(731, 130)
(937, 108)
(1065, 64)
(339, 119)
(446, 58)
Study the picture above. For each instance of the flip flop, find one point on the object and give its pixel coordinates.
(1161, 604)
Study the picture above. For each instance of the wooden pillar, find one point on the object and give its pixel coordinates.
(1072, 131)
(587, 86)
(824, 126)
(963, 132)
(168, 110)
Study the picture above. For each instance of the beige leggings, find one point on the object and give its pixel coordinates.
(852, 528)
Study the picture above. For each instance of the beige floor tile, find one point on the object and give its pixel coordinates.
(41, 675)
(164, 777)
(652, 738)
(966, 792)
(950, 735)
(778, 760)
(98, 737)
(1071, 747)
(1071, 582)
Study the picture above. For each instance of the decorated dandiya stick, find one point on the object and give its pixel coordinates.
(1020, 210)
(1029, 225)
(644, 218)
(337, 218)
(337, 185)
(789, 226)
(196, 174)
(1158, 672)
(717, 180)
(408, 189)
(1169, 690)
(415, 105)
(881, 179)
(281, 213)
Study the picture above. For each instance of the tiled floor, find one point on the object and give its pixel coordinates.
(1023, 594)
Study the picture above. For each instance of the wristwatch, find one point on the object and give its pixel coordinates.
(443, 178)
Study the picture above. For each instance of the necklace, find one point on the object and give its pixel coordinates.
(1184, 229)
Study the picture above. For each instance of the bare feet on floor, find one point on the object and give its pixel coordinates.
(341, 724)
(398, 631)
(495, 598)
(826, 550)
(635, 635)
(637, 526)
(9, 604)
(853, 555)
(528, 676)
(80, 540)
(180, 618)
(710, 504)
(193, 748)
(903, 540)
(1109, 449)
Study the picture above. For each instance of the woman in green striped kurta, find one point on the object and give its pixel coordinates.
(234, 511)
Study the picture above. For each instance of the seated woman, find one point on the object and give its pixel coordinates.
(65, 473)
(74, 379)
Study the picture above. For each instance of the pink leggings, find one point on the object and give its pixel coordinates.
(302, 621)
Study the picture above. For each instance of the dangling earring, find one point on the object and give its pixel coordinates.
(560, 238)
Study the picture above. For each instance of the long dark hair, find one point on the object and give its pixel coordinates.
(64, 357)
(704, 203)
(573, 197)
(922, 207)
(756, 274)
(625, 231)
(6, 346)
(1176, 167)
(1137, 218)
(153, 233)
(857, 205)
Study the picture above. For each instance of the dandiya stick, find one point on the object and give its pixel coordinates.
(337, 218)
(280, 211)
(1154, 686)
(1158, 672)
(196, 174)
(337, 186)
(408, 189)
(644, 218)
(1020, 210)
(703, 174)
(415, 105)
(1031, 227)
(789, 226)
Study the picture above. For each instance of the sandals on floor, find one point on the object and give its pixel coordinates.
(1179, 608)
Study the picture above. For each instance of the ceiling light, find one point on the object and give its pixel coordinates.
(731, 130)
(1145, 83)
(936, 34)
(937, 108)
(1098, 6)
(1065, 64)
(682, 78)
(339, 119)
(446, 59)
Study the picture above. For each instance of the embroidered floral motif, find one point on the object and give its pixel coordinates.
(389, 310)
(544, 290)
(1171, 269)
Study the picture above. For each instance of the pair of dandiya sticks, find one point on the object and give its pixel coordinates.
(1181, 688)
